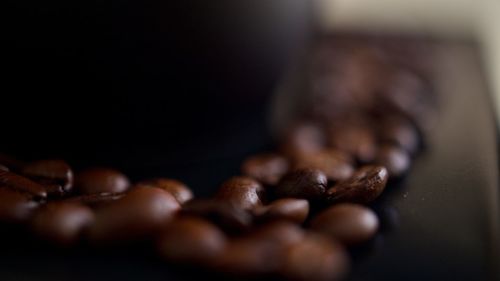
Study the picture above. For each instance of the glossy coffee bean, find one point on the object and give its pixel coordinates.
(136, 215)
(50, 173)
(62, 223)
(358, 141)
(179, 190)
(315, 258)
(304, 183)
(302, 139)
(224, 214)
(98, 180)
(335, 164)
(95, 200)
(266, 168)
(191, 240)
(291, 209)
(395, 159)
(364, 186)
(21, 184)
(243, 192)
(3, 168)
(348, 223)
(15, 207)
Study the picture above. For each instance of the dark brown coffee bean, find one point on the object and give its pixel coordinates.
(95, 200)
(303, 139)
(243, 192)
(315, 258)
(291, 209)
(266, 168)
(98, 180)
(304, 183)
(278, 233)
(336, 165)
(138, 214)
(50, 173)
(191, 240)
(3, 168)
(227, 216)
(13, 164)
(395, 159)
(62, 223)
(364, 186)
(348, 223)
(15, 207)
(21, 184)
(358, 141)
(399, 131)
(179, 190)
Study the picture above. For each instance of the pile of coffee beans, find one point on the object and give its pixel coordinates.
(292, 214)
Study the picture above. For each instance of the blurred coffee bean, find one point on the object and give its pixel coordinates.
(302, 139)
(191, 240)
(95, 200)
(358, 141)
(62, 222)
(304, 183)
(243, 192)
(278, 233)
(224, 214)
(3, 168)
(12, 163)
(50, 173)
(290, 209)
(98, 180)
(179, 190)
(395, 159)
(315, 258)
(399, 131)
(21, 184)
(267, 168)
(348, 223)
(136, 215)
(364, 186)
(335, 164)
(15, 207)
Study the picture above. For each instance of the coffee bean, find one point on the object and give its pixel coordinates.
(3, 168)
(12, 163)
(336, 165)
(304, 183)
(302, 139)
(348, 223)
(98, 180)
(136, 215)
(224, 214)
(22, 184)
(62, 223)
(50, 173)
(358, 141)
(179, 190)
(243, 192)
(191, 240)
(278, 233)
(291, 209)
(15, 207)
(266, 168)
(400, 131)
(364, 186)
(315, 258)
(95, 200)
(395, 159)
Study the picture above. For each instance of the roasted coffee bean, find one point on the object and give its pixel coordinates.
(315, 258)
(243, 192)
(227, 216)
(278, 233)
(395, 159)
(15, 207)
(358, 141)
(302, 139)
(348, 223)
(21, 184)
(304, 183)
(335, 164)
(191, 240)
(400, 131)
(179, 190)
(291, 209)
(62, 222)
(266, 168)
(364, 186)
(50, 173)
(3, 168)
(136, 215)
(13, 164)
(95, 200)
(98, 180)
